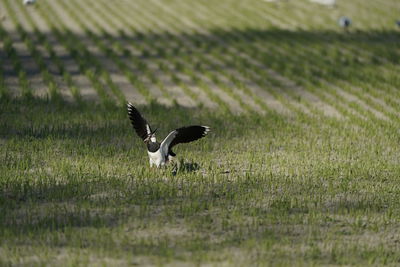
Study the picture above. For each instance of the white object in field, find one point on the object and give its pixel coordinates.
(325, 2)
(28, 2)
(344, 22)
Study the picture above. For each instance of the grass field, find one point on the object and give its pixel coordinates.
(302, 166)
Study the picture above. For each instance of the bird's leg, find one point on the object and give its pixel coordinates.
(174, 168)
(171, 158)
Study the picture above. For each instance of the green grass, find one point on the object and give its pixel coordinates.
(76, 189)
(296, 188)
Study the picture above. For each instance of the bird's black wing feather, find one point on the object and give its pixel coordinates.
(189, 134)
(140, 125)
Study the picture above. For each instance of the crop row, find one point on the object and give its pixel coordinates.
(202, 59)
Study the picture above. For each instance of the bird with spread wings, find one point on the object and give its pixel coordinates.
(161, 153)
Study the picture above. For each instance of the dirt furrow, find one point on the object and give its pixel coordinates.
(28, 64)
(131, 90)
(244, 97)
(352, 98)
(233, 51)
(37, 22)
(10, 75)
(233, 104)
(173, 90)
(167, 79)
(262, 93)
(82, 83)
(327, 109)
(64, 18)
(347, 51)
(202, 97)
(376, 100)
(110, 66)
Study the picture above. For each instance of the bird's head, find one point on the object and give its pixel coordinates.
(151, 137)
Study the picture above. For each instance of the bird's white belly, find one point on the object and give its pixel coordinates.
(156, 158)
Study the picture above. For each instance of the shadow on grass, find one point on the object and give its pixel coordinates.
(41, 119)
(186, 167)
(211, 216)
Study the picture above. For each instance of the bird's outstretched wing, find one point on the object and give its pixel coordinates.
(183, 135)
(140, 125)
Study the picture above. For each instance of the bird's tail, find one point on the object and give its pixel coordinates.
(171, 153)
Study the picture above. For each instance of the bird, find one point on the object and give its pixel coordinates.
(344, 22)
(161, 153)
(28, 2)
